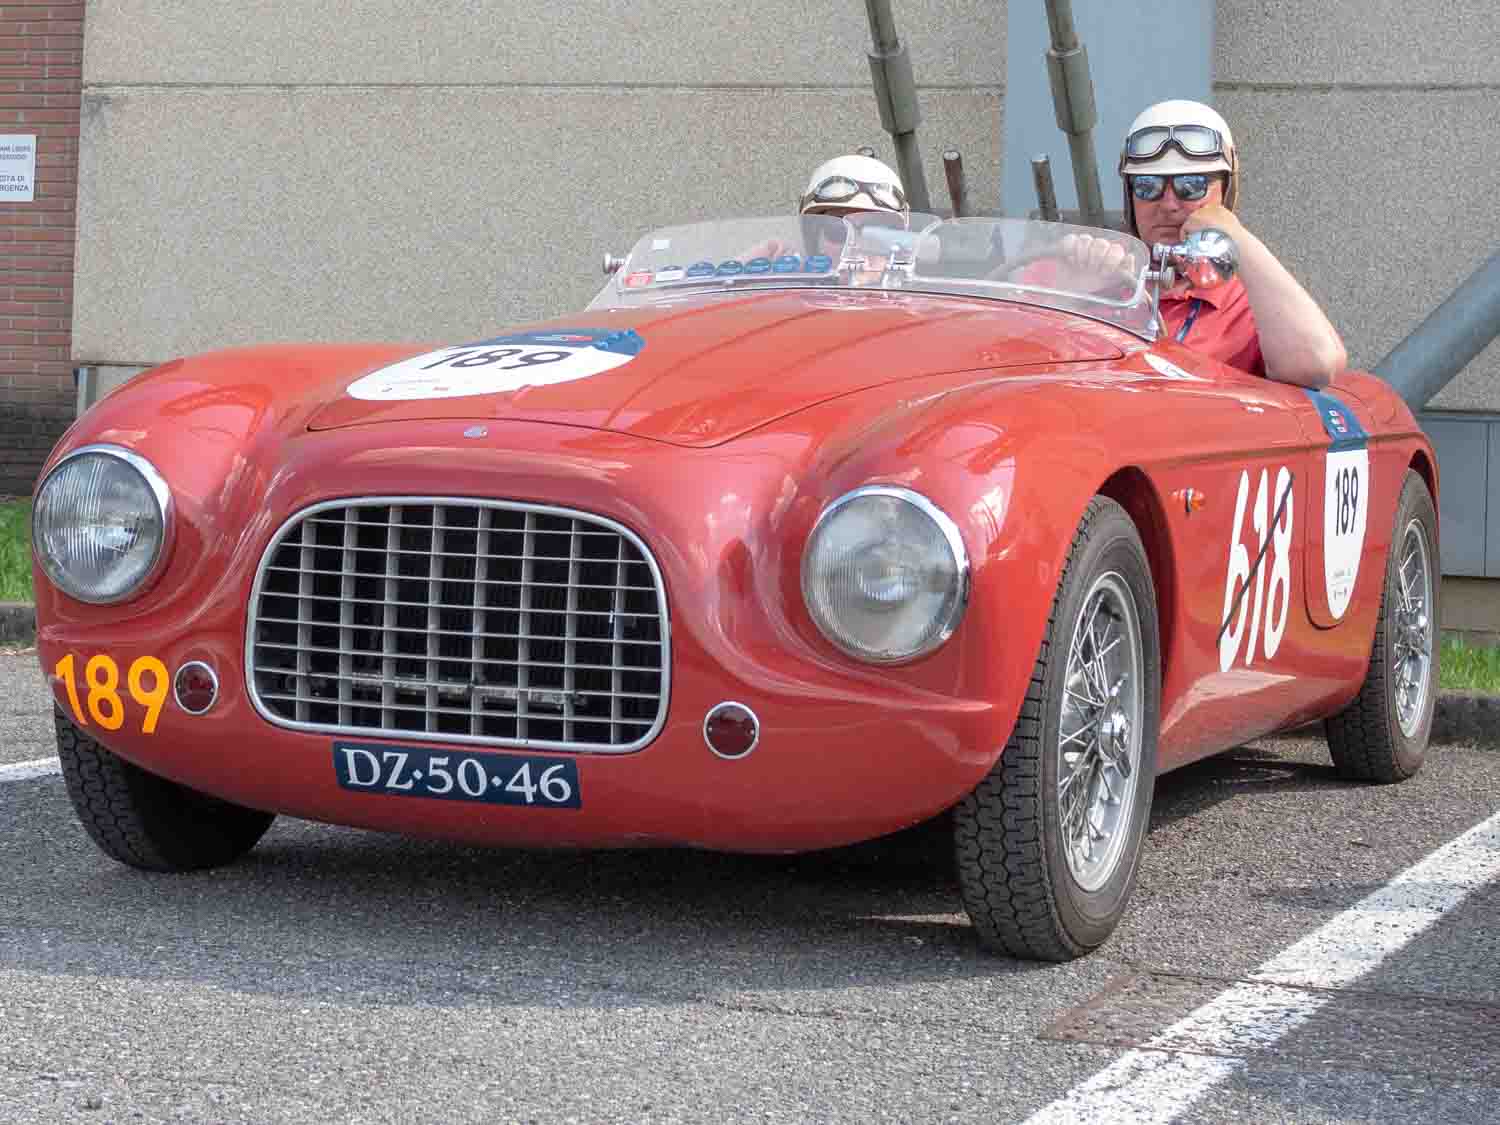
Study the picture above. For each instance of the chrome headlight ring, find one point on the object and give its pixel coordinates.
(885, 575)
(102, 524)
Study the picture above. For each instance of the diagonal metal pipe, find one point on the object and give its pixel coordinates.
(1451, 336)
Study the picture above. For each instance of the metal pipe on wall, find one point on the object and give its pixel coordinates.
(1073, 100)
(1046, 194)
(1444, 343)
(958, 188)
(896, 97)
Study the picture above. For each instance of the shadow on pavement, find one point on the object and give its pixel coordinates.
(1248, 770)
(359, 916)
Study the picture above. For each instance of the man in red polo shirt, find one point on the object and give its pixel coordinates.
(1181, 174)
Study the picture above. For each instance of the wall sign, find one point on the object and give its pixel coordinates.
(17, 169)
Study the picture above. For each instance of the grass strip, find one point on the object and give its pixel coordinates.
(15, 551)
(1468, 667)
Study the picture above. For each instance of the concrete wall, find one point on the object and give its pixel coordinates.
(1369, 131)
(380, 169)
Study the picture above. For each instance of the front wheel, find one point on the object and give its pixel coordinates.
(147, 821)
(1049, 843)
(1382, 735)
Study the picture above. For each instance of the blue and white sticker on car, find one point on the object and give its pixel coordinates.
(501, 365)
(1346, 499)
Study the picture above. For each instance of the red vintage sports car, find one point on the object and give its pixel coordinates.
(799, 535)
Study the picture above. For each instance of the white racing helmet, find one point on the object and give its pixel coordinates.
(849, 184)
(1177, 136)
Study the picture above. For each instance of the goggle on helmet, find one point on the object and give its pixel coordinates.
(853, 183)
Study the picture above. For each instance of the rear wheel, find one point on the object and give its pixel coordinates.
(1382, 735)
(147, 821)
(1049, 843)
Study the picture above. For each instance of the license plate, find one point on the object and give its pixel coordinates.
(458, 775)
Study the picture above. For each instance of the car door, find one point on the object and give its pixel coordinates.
(1241, 654)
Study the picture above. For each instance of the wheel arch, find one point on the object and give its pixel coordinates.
(1133, 490)
(1424, 466)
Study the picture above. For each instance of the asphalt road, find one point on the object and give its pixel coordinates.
(336, 975)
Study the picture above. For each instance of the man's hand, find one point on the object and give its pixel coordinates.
(1214, 215)
(1084, 263)
(1099, 257)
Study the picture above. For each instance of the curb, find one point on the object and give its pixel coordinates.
(1466, 716)
(1458, 716)
(17, 623)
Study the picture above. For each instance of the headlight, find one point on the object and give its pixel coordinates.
(885, 576)
(100, 523)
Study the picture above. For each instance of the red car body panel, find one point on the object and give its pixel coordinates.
(719, 445)
(716, 370)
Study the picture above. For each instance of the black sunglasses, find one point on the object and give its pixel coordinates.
(1188, 187)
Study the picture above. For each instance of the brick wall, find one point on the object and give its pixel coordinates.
(41, 59)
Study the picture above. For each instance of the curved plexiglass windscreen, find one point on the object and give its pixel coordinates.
(1016, 260)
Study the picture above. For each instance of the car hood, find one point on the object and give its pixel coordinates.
(702, 373)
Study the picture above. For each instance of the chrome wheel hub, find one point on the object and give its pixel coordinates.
(1099, 747)
(1412, 640)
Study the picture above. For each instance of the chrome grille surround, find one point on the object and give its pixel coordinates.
(460, 620)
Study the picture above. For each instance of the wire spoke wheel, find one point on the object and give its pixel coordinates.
(1382, 735)
(1049, 843)
(1099, 732)
(1412, 651)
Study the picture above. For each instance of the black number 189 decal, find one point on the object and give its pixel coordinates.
(475, 357)
(1346, 488)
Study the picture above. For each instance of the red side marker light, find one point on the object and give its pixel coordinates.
(196, 687)
(731, 730)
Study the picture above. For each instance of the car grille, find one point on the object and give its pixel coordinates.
(460, 620)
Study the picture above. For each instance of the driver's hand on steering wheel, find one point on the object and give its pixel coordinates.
(1097, 259)
(1084, 263)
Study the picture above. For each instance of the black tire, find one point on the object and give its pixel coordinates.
(1382, 735)
(1017, 877)
(147, 821)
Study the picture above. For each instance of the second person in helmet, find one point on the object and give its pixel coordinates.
(854, 186)
(860, 190)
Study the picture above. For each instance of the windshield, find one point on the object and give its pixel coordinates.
(1006, 259)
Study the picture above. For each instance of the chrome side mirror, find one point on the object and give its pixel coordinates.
(1206, 258)
(613, 263)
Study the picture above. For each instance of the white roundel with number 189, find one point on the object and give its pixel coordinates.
(1345, 504)
(501, 365)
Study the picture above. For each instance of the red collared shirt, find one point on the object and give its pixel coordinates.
(1217, 322)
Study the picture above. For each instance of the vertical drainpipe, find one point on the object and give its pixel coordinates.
(896, 97)
(1073, 99)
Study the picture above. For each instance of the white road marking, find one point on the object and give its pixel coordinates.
(25, 771)
(1159, 1081)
